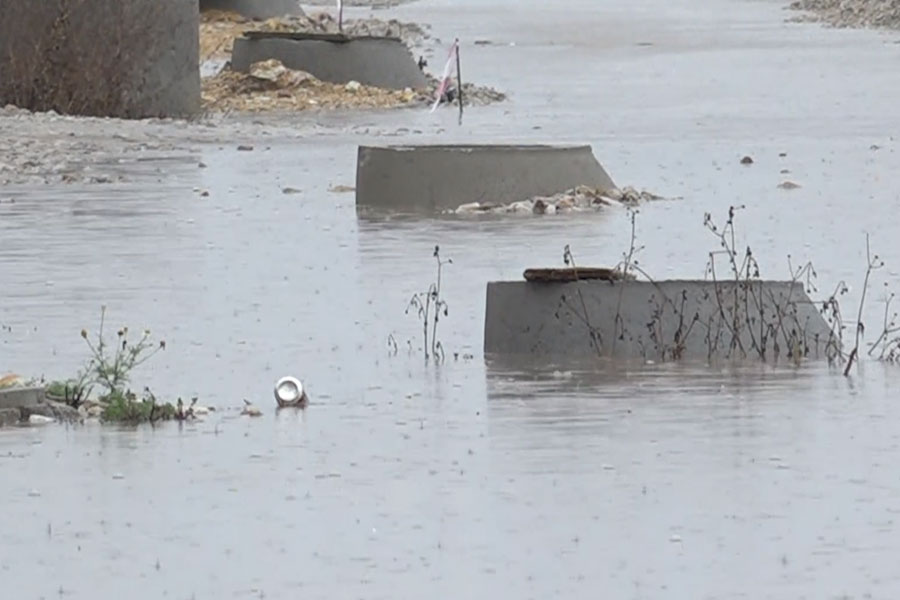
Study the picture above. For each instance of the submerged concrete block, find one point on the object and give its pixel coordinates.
(116, 58)
(255, 9)
(659, 321)
(376, 61)
(442, 177)
(21, 397)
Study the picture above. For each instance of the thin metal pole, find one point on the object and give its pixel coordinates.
(459, 83)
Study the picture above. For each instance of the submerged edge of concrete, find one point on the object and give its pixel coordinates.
(379, 62)
(434, 178)
(667, 320)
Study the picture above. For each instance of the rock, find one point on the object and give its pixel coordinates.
(747, 160)
(268, 70)
(245, 148)
(9, 417)
(614, 194)
(353, 86)
(290, 190)
(788, 185)
(55, 411)
(250, 410)
(39, 420)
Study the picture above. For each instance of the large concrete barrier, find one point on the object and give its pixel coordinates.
(431, 179)
(118, 58)
(255, 9)
(377, 61)
(668, 320)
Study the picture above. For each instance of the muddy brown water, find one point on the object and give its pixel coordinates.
(473, 479)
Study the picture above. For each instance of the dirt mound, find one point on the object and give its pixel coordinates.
(851, 13)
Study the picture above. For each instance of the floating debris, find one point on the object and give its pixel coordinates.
(579, 199)
(289, 393)
(250, 410)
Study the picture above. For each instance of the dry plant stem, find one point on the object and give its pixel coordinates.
(595, 334)
(432, 300)
(873, 263)
(884, 343)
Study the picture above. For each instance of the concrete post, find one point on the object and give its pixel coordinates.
(113, 58)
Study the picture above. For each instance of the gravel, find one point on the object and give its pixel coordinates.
(850, 13)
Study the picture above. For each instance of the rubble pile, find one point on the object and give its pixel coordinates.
(579, 199)
(273, 87)
(218, 29)
(851, 13)
(270, 86)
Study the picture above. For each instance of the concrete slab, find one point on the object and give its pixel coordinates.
(435, 178)
(659, 321)
(70, 57)
(255, 9)
(377, 61)
(10, 417)
(20, 397)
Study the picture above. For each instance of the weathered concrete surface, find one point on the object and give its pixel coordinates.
(22, 396)
(255, 9)
(118, 58)
(380, 62)
(443, 177)
(9, 416)
(667, 320)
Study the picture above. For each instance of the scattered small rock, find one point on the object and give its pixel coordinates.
(245, 148)
(250, 411)
(204, 194)
(341, 189)
(353, 86)
(39, 420)
(788, 185)
(290, 190)
(747, 160)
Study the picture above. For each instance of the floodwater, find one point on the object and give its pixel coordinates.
(472, 479)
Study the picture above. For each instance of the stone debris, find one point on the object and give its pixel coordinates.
(579, 199)
(218, 30)
(850, 13)
(270, 86)
(250, 410)
(788, 185)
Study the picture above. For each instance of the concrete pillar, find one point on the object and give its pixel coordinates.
(430, 179)
(255, 9)
(116, 58)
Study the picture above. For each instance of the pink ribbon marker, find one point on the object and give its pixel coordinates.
(448, 72)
